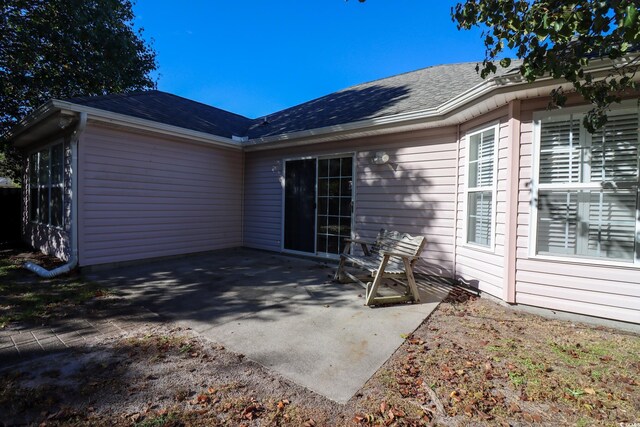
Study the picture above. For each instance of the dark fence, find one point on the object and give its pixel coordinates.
(10, 214)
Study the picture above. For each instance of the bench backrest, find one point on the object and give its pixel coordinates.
(394, 241)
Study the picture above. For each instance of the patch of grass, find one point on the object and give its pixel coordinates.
(6, 268)
(583, 422)
(517, 378)
(39, 299)
(530, 365)
(186, 348)
(574, 392)
(157, 421)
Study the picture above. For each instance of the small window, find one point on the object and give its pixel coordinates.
(587, 192)
(480, 186)
(46, 186)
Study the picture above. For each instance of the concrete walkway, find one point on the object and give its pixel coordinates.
(282, 312)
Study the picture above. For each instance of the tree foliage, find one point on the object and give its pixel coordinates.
(561, 39)
(66, 48)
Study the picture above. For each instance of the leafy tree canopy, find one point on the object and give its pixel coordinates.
(560, 38)
(66, 48)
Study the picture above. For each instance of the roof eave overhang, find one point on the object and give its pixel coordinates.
(45, 121)
(23, 134)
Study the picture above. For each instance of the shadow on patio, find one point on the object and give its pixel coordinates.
(283, 312)
(220, 286)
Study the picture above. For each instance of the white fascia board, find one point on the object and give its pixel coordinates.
(99, 115)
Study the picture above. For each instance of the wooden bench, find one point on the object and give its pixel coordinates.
(391, 256)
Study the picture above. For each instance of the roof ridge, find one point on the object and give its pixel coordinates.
(259, 118)
(100, 98)
(408, 72)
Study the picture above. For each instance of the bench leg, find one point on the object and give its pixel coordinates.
(338, 276)
(413, 288)
(373, 289)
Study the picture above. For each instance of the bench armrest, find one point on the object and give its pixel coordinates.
(399, 255)
(362, 242)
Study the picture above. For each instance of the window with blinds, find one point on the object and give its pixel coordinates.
(480, 186)
(587, 193)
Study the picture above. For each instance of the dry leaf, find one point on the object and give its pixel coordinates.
(203, 398)
(589, 390)
(383, 407)
(398, 413)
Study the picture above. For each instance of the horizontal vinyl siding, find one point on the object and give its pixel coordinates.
(482, 268)
(143, 196)
(262, 201)
(611, 292)
(417, 197)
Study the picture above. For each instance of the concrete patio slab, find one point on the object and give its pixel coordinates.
(282, 312)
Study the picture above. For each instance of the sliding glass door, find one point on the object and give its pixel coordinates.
(318, 204)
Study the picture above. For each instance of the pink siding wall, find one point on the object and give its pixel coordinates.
(483, 268)
(417, 197)
(144, 196)
(45, 238)
(569, 285)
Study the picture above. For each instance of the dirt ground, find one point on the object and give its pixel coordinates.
(473, 362)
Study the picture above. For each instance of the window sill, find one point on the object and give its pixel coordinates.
(585, 261)
(479, 248)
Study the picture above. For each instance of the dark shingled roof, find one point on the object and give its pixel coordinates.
(170, 109)
(413, 91)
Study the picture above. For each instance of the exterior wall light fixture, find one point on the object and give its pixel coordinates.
(380, 158)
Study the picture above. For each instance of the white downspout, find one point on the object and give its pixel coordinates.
(73, 238)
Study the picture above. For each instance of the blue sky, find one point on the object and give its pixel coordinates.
(257, 57)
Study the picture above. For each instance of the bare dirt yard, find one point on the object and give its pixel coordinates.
(472, 362)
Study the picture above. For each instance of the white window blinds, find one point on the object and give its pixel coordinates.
(587, 196)
(480, 186)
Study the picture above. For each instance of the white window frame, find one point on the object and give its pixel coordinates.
(493, 188)
(40, 187)
(536, 186)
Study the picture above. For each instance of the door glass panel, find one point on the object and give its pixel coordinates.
(323, 187)
(299, 205)
(334, 204)
(323, 168)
